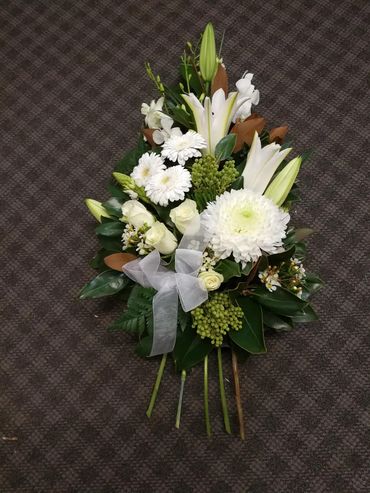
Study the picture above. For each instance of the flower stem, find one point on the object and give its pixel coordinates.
(206, 409)
(156, 386)
(238, 401)
(179, 406)
(222, 392)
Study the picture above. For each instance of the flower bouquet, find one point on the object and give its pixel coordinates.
(195, 238)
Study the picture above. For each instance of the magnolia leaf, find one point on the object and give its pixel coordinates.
(225, 147)
(281, 301)
(278, 134)
(148, 134)
(245, 130)
(220, 80)
(250, 337)
(228, 268)
(276, 322)
(105, 284)
(307, 315)
(117, 260)
(111, 229)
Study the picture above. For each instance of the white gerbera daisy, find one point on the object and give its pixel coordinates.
(149, 164)
(169, 185)
(180, 148)
(245, 224)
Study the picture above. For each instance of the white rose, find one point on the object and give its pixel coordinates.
(211, 279)
(161, 238)
(184, 215)
(135, 213)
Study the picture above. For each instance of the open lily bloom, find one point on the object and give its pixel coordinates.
(213, 119)
(246, 90)
(262, 162)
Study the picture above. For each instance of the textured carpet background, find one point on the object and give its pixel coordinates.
(73, 396)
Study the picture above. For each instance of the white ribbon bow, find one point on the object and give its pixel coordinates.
(182, 284)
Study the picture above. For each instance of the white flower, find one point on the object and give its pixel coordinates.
(262, 162)
(166, 131)
(213, 117)
(211, 279)
(244, 224)
(270, 278)
(149, 164)
(135, 213)
(185, 216)
(153, 113)
(180, 148)
(161, 238)
(247, 91)
(169, 185)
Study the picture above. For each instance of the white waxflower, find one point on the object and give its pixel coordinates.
(153, 113)
(244, 224)
(180, 148)
(166, 131)
(270, 278)
(149, 164)
(169, 185)
(246, 90)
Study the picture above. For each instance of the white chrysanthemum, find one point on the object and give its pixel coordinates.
(169, 185)
(244, 224)
(149, 164)
(180, 148)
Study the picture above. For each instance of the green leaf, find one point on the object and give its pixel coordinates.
(277, 258)
(114, 206)
(307, 315)
(203, 198)
(129, 160)
(98, 261)
(225, 147)
(190, 349)
(247, 269)
(183, 318)
(312, 283)
(278, 323)
(129, 322)
(300, 250)
(281, 301)
(251, 336)
(111, 244)
(228, 268)
(144, 346)
(111, 229)
(105, 284)
(194, 78)
(238, 184)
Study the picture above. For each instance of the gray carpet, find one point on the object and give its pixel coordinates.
(73, 396)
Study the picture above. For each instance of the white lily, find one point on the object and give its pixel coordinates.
(262, 162)
(213, 119)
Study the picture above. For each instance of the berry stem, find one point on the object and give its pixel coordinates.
(222, 392)
(238, 401)
(206, 409)
(179, 406)
(156, 386)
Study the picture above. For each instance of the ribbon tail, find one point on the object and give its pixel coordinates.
(165, 307)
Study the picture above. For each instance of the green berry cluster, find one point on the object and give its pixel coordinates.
(206, 175)
(216, 317)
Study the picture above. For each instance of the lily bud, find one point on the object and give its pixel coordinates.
(96, 209)
(130, 187)
(208, 59)
(280, 187)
